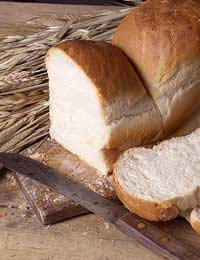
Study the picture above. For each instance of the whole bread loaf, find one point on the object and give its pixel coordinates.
(162, 40)
(98, 105)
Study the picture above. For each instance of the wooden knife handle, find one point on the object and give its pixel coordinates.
(155, 239)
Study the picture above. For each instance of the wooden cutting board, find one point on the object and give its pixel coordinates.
(49, 206)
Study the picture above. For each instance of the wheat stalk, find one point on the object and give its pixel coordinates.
(23, 77)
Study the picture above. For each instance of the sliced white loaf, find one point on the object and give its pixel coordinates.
(162, 182)
(98, 106)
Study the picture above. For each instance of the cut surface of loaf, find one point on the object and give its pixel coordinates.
(162, 40)
(162, 182)
(98, 106)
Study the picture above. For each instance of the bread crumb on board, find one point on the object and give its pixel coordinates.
(107, 225)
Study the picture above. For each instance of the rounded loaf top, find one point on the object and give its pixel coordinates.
(159, 36)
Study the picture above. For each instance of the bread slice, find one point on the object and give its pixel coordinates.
(162, 182)
(98, 106)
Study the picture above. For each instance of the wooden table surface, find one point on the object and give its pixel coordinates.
(22, 237)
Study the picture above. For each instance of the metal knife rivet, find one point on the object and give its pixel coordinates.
(164, 240)
(188, 253)
(141, 225)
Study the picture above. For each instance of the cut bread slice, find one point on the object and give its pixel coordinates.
(98, 106)
(160, 183)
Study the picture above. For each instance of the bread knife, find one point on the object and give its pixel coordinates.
(143, 231)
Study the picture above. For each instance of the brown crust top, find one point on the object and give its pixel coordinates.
(159, 36)
(114, 77)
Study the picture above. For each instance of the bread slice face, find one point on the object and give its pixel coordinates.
(98, 106)
(166, 54)
(162, 182)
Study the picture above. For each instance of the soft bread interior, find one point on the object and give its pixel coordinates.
(169, 171)
(76, 119)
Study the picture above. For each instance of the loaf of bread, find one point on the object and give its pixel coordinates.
(98, 105)
(162, 40)
(162, 182)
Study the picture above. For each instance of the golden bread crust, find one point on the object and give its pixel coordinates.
(160, 35)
